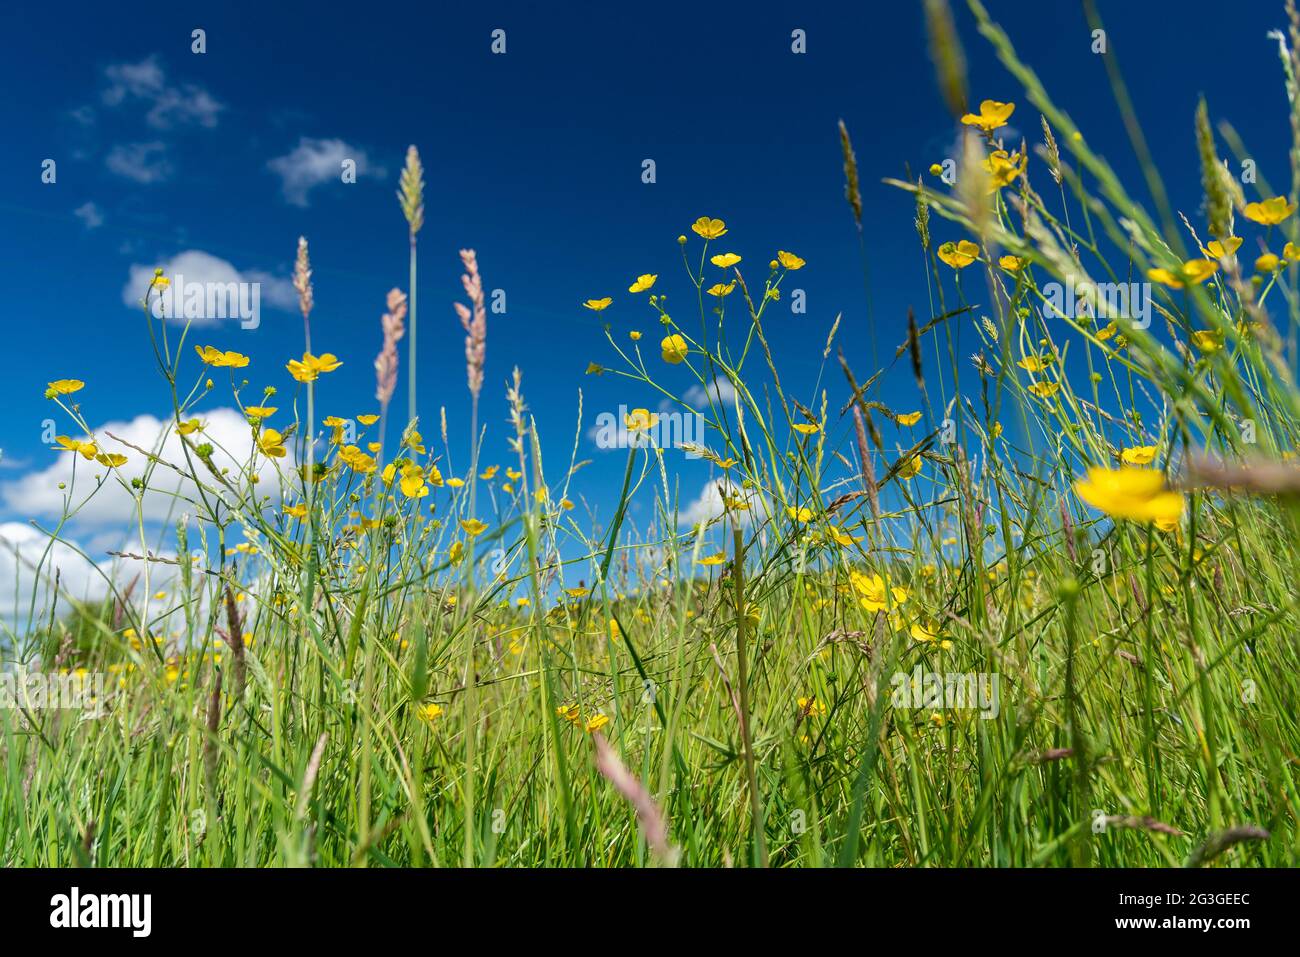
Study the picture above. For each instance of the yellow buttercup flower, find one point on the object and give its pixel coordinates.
(806, 428)
(367, 419)
(724, 260)
(64, 387)
(634, 335)
(643, 283)
(111, 459)
(909, 467)
(1136, 494)
(874, 593)
(596, 305)
(1189, 274)
(189, 427)
(1139, 455)
(673, 349)
(842, 537)
(488, 473)
(566, 505)
(412, 482)
(1012, 263)
(297, 511)
(1291, 252)
(721, 289)
(596, 722)
(513, 474)
(908, 418)
(473, 527)
(789, 260)
(1003, 168)
(1222, 248)
(1045, 390)
(811, 706)
(1035, 363)
(640, 420)
(310, 366)
(215, 357)
(430, 711)
(717, 558)
(992, 115)
(1207, 340)
(254, 412)
(709, 228)
(1267, 263)
(455, 482)
(271, 443)
(959, 255)
(800, 514)
(456, 552)
(1270, 212)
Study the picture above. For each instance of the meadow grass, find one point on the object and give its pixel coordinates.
(379, 658)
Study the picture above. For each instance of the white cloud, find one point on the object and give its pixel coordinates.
(112, 507)
(721, 390)
(141, 162)
(90, 214)
(708, 505)
(196, 266)
(168, 104)
(313, 162)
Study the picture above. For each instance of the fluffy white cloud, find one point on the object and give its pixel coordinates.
(90, 214)
(112, 507)
(196, 266)
(168, 104)
(313, 162)
(720, 390)
(709, 506)
(141, 162)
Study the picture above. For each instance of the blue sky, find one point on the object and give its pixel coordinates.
(533, 159)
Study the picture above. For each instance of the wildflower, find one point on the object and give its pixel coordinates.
(215, 357)
(577, 592)
(271, 443)
(673, 349)
(921, 633)
(566, 505)
(1003, 168)
(1139, 455)
(488, 473)
(189, 427)
(717, 558)
(640, 420)
(1034, 363)
(873, 591)
(709, 228)
(1045, 390)
(456, 552)
(1270, 212)
(1291, 252)
(415, 442)
(1222, 248)
(258, 411)
(88, 450)
(1136, 494)
(724, 260)
(455, 482)
(789, 260)
(992, 115)
(843, 538)
(473, 527)
(959, 255)
(513, 474)
(64, 387)
(569, 712)
(800, 514)
(936, 169)
(297, 511)
(430, 711)
(412, 482)
(909, 467)
(367, 419)
(1012, 263)
(110, 460)
(596, 305)
(721, 289)
(312, 366)
(634, 335)
(1267, 263)
(1207, 340)
(811, 706)
(806, 428)
(1189, 273)
(596, 722)
(908, 418)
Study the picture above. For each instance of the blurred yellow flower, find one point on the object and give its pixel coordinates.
(717, 558)
(367, 419)
(643, 283)
(596, 722)
(789, 260)
(721, 289)
(489, 472)
(271, 443)
(64, 387)
(1012, 263)
(1207, 340)
(473, 527)
(189, 427)
(908, 418)
(252, 411)
(909, 467)
(640, 420)
(1270, 212)
(1045, 390)
(430, 711)
(297, 511)
(800, 514)
(1131, 493)
(1139, 455)
(1267, 263)
(1222, 248)
(1003, 168)
(1189, 273)
(724, 260)
(806, 428)
(634, 335)
(215, 357)
(596, 305)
